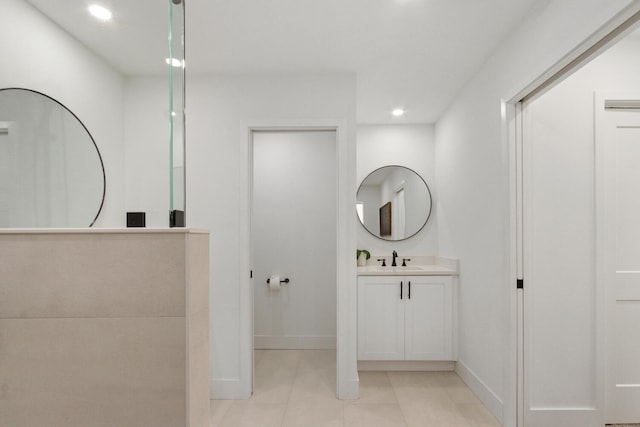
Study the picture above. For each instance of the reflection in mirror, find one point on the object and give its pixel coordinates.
(51, 172)
(393, 203)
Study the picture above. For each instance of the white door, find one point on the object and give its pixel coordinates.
(428, 318)
(618, 179)
(380, 318)
(558, 348)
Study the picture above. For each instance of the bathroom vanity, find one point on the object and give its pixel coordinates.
(104, 327)
(406, 315)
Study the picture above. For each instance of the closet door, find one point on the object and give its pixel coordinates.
(559, 352)
(618, 138)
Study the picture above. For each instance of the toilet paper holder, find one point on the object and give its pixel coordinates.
(286, 280)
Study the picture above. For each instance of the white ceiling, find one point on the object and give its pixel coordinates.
(414, 54)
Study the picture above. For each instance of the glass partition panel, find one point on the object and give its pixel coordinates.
(177, 116)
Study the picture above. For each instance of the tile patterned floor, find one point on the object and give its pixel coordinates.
(296, 388)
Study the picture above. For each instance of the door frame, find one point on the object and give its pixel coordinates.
(347, 384)
(512, 139)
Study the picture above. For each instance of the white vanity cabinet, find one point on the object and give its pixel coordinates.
(405, 318)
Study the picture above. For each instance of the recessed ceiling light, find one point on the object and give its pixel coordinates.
(398, 112)
(100, 12)
(173, 61)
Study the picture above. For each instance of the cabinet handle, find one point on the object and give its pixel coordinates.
(409, 289)
(401, 289)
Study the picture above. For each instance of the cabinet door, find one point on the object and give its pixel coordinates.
(429, 318)
(380, 318)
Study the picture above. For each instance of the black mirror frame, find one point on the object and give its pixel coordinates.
(428, 192)
(104, 176)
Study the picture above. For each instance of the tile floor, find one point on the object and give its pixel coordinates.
(297, 388)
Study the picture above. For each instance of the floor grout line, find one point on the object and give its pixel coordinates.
(295, 376)
(395, 393)
(309, 367)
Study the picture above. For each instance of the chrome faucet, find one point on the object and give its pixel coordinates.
(395, 255)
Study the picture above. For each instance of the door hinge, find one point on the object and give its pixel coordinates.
(520, 284)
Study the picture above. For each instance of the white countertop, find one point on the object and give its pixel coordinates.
(423, 266)
(416, 270)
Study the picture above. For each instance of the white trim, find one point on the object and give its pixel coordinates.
(612, 104)
(347, 384)
(228, 389)
(246, 263)
(561, 67)
(563, 416)
(600, 252)
(488, 397)
(406, 365)
(350, 389)
(455, 313)
(512, 404)
(399, 187)
(294, 342)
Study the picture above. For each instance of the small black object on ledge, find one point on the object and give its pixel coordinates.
(136, 219)
(176, 218)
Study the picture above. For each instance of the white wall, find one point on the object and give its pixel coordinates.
(411, 146)
(473, 186)
(38, 55)
(219, 110)
(561, 261)
(294, 236)
(147, 148)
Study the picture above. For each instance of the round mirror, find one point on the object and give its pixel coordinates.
(51, 172)
(393, 203)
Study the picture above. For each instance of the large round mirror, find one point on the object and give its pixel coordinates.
(393, 203)
(51, 172)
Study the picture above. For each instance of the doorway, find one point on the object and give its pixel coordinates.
(293, 246)
(577, 355)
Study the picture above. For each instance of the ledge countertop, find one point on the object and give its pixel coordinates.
(95, 230)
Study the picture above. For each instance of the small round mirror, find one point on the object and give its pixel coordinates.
(51, 172)
(393, 203)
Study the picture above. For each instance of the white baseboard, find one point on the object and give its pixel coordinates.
(564, 417)
(481, 390)
(349, 389)
(405, 365)
(228, 389)
(294, 342)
